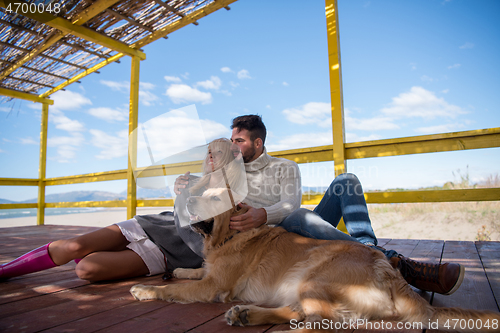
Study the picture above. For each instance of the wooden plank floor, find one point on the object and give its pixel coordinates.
(56, 300)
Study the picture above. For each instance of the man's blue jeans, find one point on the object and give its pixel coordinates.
(344, 198)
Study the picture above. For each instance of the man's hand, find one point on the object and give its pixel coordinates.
(253, 218)
(181, 183)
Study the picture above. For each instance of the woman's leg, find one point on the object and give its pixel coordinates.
(104, 252)
(106, 239)
(102, 265)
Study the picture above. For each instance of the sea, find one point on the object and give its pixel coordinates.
(26, 212)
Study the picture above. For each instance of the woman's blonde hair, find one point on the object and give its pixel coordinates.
(222, 146)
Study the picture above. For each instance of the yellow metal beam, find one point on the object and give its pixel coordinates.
(111, 203)
(476, 194)
(18, 206)
(306, 155)
(18, 182)
(88, 178)
(92, 11)
(336, 97)
(487, 138)
(83, 74)
(155, 203)
(69, 28)
(40, 216)
(132, 141)
(464, 195)
(86, 15)
(186, 20)
(25, 96)
(169, 169)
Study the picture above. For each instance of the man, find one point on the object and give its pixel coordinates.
(274, 198)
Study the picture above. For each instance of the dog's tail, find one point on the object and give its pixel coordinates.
(412, 308)
(461, 320)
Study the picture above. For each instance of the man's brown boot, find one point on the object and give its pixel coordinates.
(440, 278)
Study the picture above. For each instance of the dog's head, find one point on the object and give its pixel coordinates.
(211, 213)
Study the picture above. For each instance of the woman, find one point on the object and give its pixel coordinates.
(143, 245)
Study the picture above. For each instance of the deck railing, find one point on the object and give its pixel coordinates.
(478, 139)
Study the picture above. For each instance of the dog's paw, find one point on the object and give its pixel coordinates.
(237, 316)
(142, 292)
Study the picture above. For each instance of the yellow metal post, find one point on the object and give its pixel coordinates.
(332, 28)
(336, 98)
(40, 216)
(132, 143)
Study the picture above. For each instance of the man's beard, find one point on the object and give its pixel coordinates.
(248, 156)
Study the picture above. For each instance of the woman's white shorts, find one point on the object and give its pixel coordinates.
(143, 246)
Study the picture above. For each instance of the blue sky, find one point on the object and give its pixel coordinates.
(409, 68)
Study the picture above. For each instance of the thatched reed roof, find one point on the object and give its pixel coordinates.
(38, 52)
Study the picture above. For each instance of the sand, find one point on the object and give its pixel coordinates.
(448, 223)
(94, 219)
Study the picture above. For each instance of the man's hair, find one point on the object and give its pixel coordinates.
(252, 123)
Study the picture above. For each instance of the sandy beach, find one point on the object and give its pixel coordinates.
(445, 221)
(101, 218)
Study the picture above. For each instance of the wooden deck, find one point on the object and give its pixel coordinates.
(56, 300)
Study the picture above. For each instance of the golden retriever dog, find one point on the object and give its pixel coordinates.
(314, 285)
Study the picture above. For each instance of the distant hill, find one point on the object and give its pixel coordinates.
(76, 196)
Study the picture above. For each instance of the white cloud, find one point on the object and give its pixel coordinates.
(419, 102)
(66, 146)
(467, 45)
(243, 74)
(369, 124)
(74, 140)
(352, 137)
(64, 123)
(426, 78)
(413, 66)
(302, 140)
(285, 84)
(29, 141)
(311, 113)
(69, 100)
(3, 109)
(172, 79)
(185, 131)
(69, 125)
(147, 98)
(214, 130)
(234, 84)
(445, 91)
(226, 70)
(146, 85)
(123, 86)
(214, 83)
(181, 93)
(111, 146)
(454, 66)
(108, 114)
(439, 128)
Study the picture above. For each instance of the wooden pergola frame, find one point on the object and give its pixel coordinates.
(339, 152)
